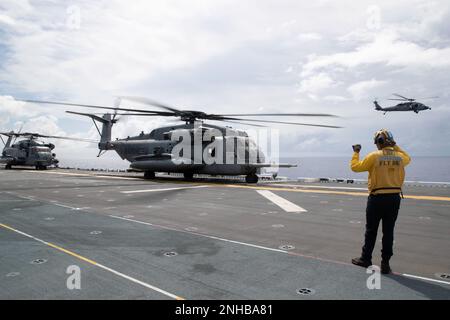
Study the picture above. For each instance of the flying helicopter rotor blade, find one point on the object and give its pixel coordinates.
(400, 96)
(151, 103)
(426, 98)
(283, 122)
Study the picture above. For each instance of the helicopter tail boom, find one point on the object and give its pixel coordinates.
(377, 106)
(107, 123)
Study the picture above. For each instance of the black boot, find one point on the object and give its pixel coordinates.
(385, 267)
(361, 262)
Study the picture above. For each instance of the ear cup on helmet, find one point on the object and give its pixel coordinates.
(380, 139)
(383, 136)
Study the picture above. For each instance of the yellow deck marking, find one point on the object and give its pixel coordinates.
(348, 193)
(360, 194)
(73, 254)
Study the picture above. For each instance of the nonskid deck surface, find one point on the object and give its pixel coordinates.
(209, 239)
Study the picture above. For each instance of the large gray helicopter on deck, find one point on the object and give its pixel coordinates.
(406, 104)
(29, 151)
(232, 151)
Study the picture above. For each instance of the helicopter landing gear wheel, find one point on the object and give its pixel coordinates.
(41, 167)
(251, 178)
(188, 175)
(149, 175)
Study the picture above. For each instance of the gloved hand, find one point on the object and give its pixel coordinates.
(356, 148)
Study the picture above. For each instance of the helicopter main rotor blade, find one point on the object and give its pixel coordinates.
(97, 107)
(38, 135)
(151, 103)
(20, 130)
(13, 134)
(189, 114)
(139, 114)
(69, 138)
(283, 122)
(247, 124)
(277, 115)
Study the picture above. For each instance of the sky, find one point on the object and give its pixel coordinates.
(229, 57)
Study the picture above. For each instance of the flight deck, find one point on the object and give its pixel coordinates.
(169, 238)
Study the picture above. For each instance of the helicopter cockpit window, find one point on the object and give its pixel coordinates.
(40, 149)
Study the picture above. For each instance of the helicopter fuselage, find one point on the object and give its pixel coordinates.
(29, 153)
(225, 152)
(404, 106)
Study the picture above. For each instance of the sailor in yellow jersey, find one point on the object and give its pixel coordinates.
(386, 168)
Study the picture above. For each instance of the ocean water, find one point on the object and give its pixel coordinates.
(432, 169)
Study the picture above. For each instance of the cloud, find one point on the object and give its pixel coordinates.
(47, 125)
(362, 89)
(386, 48)
(213, 56)
(316, 83)
(9, 106)
(310, 36)
(6, 20)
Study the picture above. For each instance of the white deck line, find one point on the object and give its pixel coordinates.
(101, 266)
(281, 202)
(164, 189)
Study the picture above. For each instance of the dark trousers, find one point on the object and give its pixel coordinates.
(382, 207)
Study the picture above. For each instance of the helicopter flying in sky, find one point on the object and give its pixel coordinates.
(406, 104)
(29, 151)
(183, 148)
